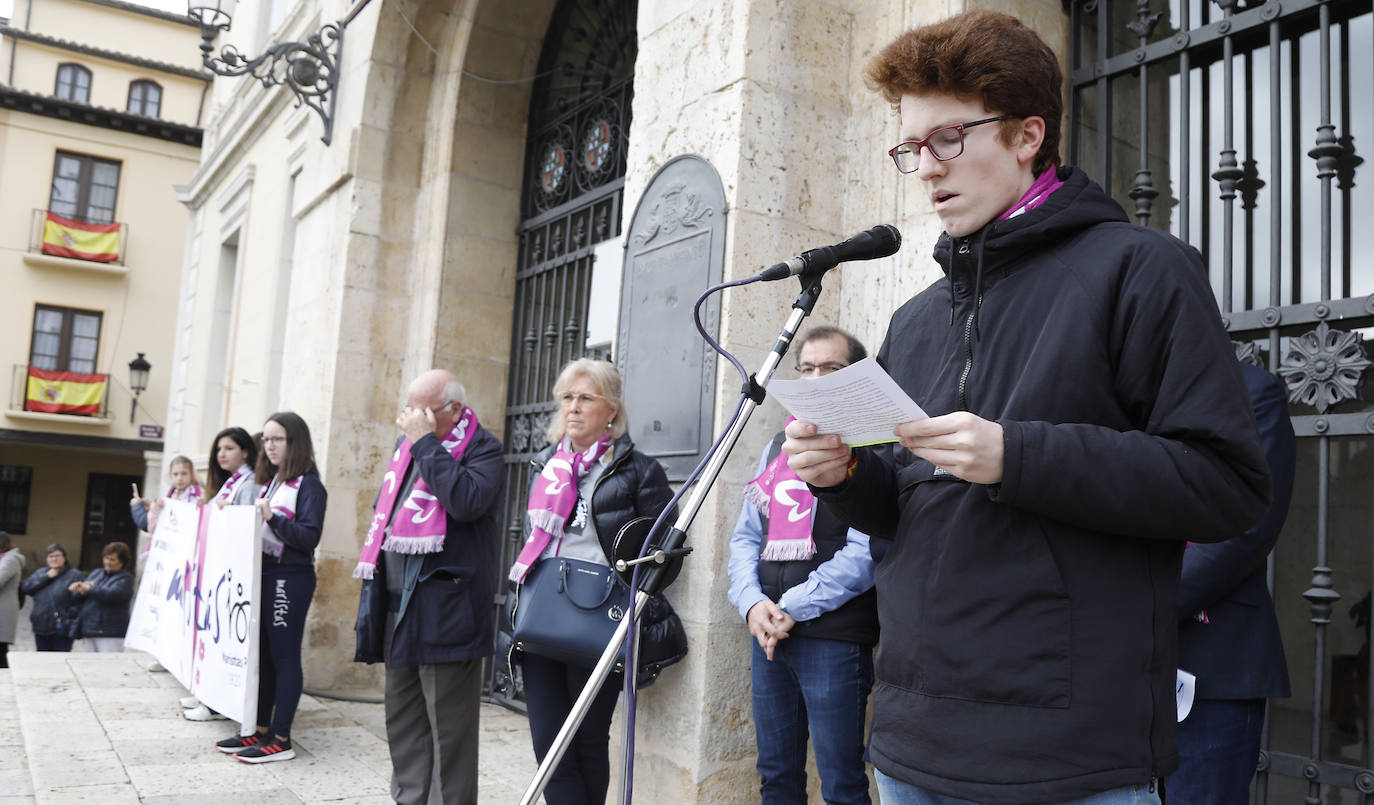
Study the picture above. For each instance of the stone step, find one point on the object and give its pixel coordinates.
(103, 728)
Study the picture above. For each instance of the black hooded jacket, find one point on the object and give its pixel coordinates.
(1029, 626)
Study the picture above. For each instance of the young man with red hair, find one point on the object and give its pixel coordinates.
(1088, 419)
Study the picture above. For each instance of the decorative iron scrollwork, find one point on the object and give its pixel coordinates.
(1144, 24)
(1248, 352)
(520, 434)
(1323, 367)
(310, 69)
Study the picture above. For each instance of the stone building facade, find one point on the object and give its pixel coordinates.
(319, 277)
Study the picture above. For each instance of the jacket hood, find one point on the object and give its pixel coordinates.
(1077, 205)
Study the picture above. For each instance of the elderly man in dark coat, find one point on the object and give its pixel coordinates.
(429, 569)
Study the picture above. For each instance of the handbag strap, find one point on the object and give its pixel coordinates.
(565, 586)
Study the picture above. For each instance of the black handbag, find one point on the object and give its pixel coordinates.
(568, 610)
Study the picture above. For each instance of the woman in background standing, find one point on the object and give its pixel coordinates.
(106, 595)
(53, 604)
(292, 507)
(11, 574)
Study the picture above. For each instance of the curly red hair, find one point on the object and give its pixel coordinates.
(985, 55)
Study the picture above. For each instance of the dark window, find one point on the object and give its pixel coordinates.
(84, 188)
(14, 498)
(64, 340)
(73, 83)
(145, 98)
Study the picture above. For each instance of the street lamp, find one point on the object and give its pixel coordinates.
(310, 69)
(138, 381)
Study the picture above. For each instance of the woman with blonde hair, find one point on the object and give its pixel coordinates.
(590, 482)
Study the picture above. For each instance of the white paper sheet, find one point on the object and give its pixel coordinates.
(861, 403)
(1186, 686)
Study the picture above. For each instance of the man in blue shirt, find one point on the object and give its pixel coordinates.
(803, 581)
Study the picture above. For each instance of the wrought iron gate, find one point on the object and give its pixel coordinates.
(1235, 126)
(574, 179)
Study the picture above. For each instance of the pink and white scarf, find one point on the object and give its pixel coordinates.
(785, 498)
(226, 492)
(424, 529)
(1038, 193)
(283, 498)
(188, 495)
(552, 500)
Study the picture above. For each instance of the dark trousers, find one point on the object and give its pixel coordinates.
(286, 598)
(816, 687)
(431, 726)
(4, 655)
(53, 642)
(551, 688)
(1218, 749)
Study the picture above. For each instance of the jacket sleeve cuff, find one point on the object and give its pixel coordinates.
(797, 604)
(1014, 450)
(747, 601)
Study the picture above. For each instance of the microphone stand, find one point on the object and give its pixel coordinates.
(754, 391)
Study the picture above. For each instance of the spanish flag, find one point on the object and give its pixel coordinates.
(64, 392)
(63, 237)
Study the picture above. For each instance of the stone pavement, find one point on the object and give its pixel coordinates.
(102, 728)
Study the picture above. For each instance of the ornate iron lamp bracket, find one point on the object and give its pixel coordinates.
(310, 69)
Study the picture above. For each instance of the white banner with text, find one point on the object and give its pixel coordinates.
(198, 603)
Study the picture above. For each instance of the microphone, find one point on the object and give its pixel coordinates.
(880, 241)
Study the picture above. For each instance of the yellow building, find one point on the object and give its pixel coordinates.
(100, 114)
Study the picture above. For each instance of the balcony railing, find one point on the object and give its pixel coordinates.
(84, 396)
(60, 236)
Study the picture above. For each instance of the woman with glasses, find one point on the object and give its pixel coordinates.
(589, 452)
(54, 605)
(292, 506)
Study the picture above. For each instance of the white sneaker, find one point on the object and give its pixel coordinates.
(156, 666)
(189, 702)
(202, 713)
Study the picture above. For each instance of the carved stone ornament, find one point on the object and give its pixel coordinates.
(676, 209)
(1323, 367)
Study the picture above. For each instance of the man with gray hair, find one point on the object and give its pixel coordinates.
(429, 578)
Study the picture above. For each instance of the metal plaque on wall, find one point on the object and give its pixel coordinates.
(674, 250)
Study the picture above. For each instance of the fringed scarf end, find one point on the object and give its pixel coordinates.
(788, 550)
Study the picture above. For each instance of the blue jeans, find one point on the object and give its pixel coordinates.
(1218, 749)
(823, 685)
(896, 792)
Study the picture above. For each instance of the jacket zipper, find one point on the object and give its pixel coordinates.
(968, 358)
(968, 337)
